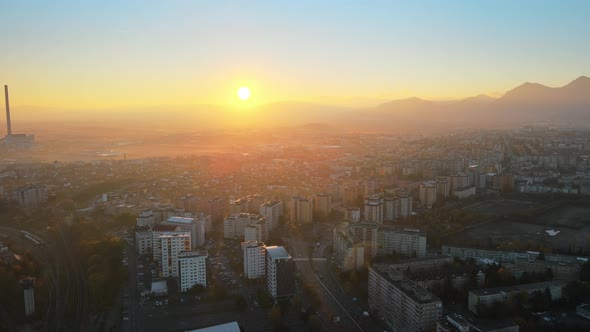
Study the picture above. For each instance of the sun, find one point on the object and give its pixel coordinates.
(244, 93)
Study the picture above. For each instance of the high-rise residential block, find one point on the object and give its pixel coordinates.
(171, 244)
(192, 269)
(280, 273)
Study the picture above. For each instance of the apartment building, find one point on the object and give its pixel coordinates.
(400, 303)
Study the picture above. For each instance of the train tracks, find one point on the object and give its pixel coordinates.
(65, 279)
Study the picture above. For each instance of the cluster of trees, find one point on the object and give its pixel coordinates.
(451, 293)
(102, 262)
(311, 293)
(443, 221)
(11, 293)
(100, 256)
(264, 298)
(355, 282)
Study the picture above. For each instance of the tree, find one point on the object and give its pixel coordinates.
(585, 272)
(314, 324)
(275, 316)
(241, 303)
(539, 301)
(297, 303)
(218, 292)
(197, 289)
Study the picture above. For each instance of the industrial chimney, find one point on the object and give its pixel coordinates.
(8, 125)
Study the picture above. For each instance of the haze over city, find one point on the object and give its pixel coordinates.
(295, 166)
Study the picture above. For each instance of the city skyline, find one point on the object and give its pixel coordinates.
(84, 56)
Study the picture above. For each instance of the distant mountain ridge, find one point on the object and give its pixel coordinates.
(526, 103)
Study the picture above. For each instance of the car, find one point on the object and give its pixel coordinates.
(365, 314)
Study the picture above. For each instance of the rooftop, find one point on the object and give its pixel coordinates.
(159, 286)
(393, 228)
(163, 228)
(180, 220)
(192, 253)
(143, 234)
(407, 286)
(271, 203)
(227, 327)
(167, 235)
(276, 252)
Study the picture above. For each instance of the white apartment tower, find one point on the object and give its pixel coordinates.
(234, 226)
(157, 231)
(442, 186)
(28, 286)
(404, 203)
(374, 209)
(390, 209)
(322, 205)
(254, 259)
(143, 242)
(300, 210)
(428, 194)
(272, 210)
(256, 231)
(172, 243)
(192, 267)
(196, 228)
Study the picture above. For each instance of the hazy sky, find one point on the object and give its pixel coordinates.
(139, 53)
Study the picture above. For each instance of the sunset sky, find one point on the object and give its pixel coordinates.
(103, 54)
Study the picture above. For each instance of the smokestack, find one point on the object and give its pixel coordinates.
(8, 125)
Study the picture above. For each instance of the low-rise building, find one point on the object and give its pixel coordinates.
(583, 310)
(457, 323)
(488, 296)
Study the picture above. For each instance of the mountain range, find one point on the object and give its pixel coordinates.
(525, 104)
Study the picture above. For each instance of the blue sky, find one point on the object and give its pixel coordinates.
(121, 53)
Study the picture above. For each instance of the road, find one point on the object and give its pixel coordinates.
(317, 274)
(134, 324)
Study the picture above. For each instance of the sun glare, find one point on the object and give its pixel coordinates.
(244, 93)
